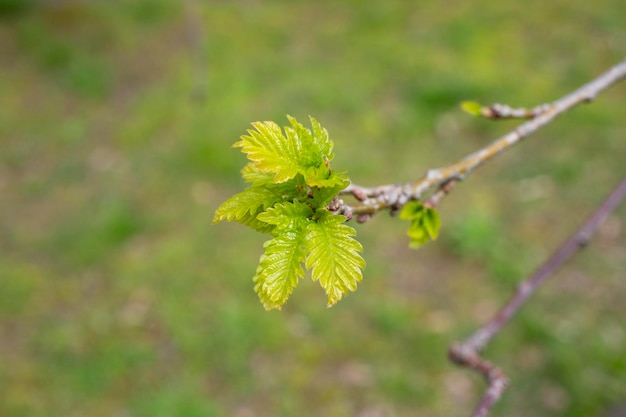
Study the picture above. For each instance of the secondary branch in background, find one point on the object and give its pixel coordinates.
(467, 353)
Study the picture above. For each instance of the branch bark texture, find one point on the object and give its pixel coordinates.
(371, 200)
(437, 183)
(467, 353)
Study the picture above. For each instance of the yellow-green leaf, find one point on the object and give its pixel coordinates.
(472, 107)
(280, 266)
(432, 223)
(332, 255)
(246, 205)
(412, 210)
(425, 223)
(268, 148)
(287, 217)
(297, 150)
(279, 269)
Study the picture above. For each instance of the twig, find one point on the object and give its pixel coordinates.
(394, 196)
(467, 353)
(502, 111)
(443, 190)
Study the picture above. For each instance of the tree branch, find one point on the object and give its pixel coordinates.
(371, 200)
(467, 353)
(439, 182)
(499, 111)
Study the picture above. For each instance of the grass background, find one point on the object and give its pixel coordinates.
(118, 298)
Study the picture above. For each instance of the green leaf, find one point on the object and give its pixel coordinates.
(311, 154)
(270, 150)
(432, 223)
(316, 170)
(412, 210)
(418, 234)
(425, 223)
(332, 254)
(287, 217)
(323, 195)
(296, 151)
(250, 173)
(281, 264)
(246, 205)
(321, 138)
(472, 107)
(279, 269)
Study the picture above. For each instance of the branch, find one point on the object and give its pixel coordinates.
(499, 111)
(394, 196)
(467, 352)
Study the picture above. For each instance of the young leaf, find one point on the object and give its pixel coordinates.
(279, 269)
(323, 195)
(472, 107)
(257, 177)
(311, 153)
(250, 173)
(246, 205)
(287, 217)
(418, 234)
(320, 135)
(333, 255)
(425, 223)
(297, 151)
(412, 210)
(323, 177)
(315, 163)
(281, 264)
(270, 150)
(432, 223)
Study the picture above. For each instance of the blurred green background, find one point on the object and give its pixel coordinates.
(118, 297)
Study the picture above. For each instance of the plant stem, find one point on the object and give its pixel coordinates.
(394, 196)
(467, 353)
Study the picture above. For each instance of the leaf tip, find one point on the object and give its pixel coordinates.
(472, 107)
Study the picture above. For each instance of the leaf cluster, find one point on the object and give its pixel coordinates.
(472, 107)
(290, 186)
(425, 223)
